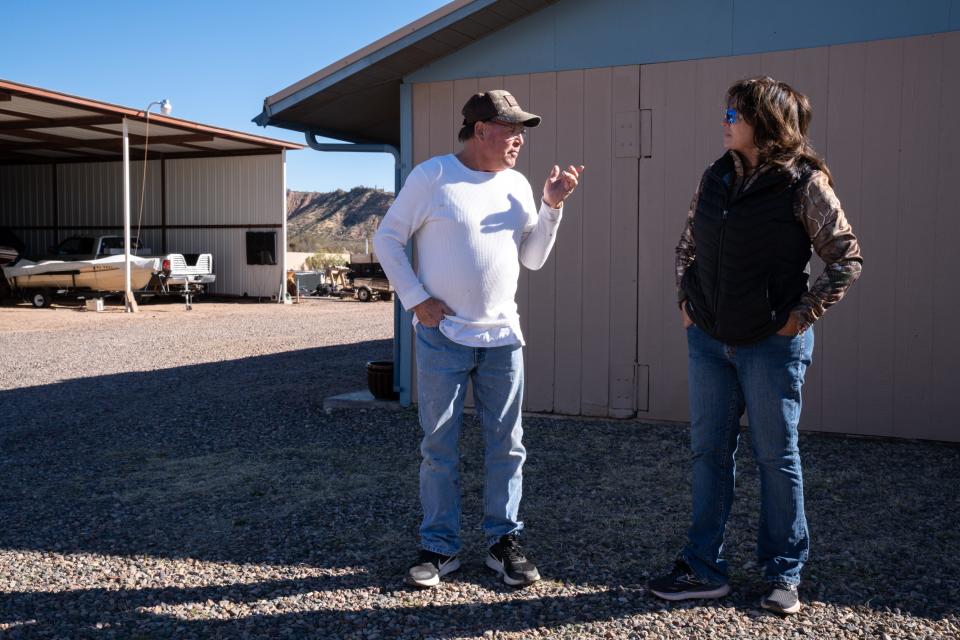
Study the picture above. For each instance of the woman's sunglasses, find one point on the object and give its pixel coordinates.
(730, 116)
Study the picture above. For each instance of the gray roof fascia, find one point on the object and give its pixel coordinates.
(265, 117)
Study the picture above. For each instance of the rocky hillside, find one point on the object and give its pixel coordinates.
(335, 220)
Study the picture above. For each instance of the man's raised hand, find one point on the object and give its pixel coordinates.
(560, 184)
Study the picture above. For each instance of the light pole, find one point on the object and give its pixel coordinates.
(130, 302)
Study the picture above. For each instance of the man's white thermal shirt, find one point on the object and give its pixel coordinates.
(472, 230)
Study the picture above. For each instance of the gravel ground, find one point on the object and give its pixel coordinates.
(173, 475)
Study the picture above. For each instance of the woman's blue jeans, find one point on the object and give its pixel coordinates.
(444, 369)
(765, 380)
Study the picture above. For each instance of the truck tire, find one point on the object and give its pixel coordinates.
(41, 298)
(386, 296)
(364, 294)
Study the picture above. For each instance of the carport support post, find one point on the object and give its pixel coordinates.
(129, 302)
(282, 298)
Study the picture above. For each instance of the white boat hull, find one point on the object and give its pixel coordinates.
(104, 274)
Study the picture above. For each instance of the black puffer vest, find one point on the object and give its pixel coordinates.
(752, 254)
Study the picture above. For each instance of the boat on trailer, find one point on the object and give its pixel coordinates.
(101, 275)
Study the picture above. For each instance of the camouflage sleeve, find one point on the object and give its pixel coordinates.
(822, 216)
(686, 249)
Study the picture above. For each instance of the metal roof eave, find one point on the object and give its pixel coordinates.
(283, 102)
(70, 105)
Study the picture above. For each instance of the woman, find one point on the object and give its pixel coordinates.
(742, 271)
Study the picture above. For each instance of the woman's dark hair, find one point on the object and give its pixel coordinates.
(780, 116)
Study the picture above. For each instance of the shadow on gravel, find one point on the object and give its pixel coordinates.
(110, 611)
(231, 461)
(236, 462)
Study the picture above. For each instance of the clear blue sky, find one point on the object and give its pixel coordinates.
(215, 61)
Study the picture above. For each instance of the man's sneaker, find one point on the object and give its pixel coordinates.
(430, 567)
(682, 584)
(506, 558)
(782, 598)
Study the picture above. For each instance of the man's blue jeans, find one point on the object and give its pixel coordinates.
(765, 380)
(444, 369)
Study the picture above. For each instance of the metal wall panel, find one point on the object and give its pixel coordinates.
(86, 194)
(541, 327)
(884, 362)
(654, 226)
(625, 390)
(234, 191)
(421, 122)
(942, 258)
(668, 178)
(596, 223)
(879, 73)
(91, 193)
(836, 357)
(37, 240)
(917, 222)
(26, 195)
(225, 191)
(441, 119)
(568, 251)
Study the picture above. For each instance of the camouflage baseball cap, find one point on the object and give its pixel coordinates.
(497, 104)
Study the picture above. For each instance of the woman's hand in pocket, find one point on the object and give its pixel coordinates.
(687, 322)
(794, 326)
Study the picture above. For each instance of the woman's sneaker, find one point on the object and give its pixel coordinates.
(783, 598)
(507, 558)
(430, 567)
(682, 584)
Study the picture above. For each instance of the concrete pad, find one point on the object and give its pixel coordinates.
(359, 400)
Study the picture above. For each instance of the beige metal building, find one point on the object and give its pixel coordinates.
(205, 188)
(635, 92)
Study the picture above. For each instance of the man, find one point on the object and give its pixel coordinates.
(475, 222)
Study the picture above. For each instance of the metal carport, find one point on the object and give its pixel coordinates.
(205, 187)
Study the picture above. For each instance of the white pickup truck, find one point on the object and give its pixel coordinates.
(90, 264)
